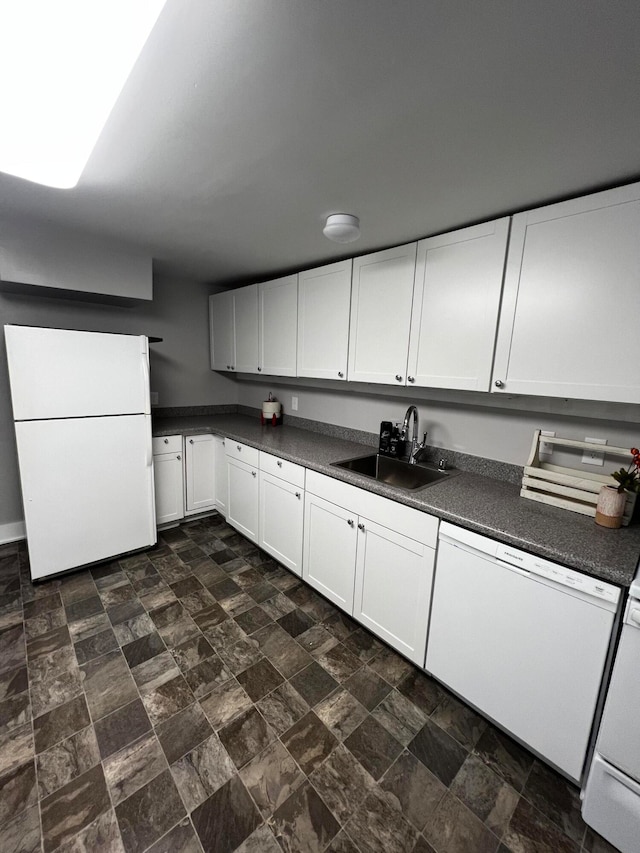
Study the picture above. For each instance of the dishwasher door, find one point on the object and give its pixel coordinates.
(521, 649)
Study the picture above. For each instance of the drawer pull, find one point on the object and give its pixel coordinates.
(254, 474)
(298, 495)
(239, 448)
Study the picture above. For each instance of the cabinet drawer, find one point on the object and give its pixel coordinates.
(237, 450)
(288, 471)
(167, 444)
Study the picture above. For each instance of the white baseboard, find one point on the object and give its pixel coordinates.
(12, 532)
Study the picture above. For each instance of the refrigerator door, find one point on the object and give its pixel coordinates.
(58, 373)
(87, 489)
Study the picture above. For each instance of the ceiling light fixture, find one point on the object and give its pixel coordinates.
(342, 228)
(63, 65)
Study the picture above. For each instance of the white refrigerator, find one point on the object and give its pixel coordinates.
(82, 416)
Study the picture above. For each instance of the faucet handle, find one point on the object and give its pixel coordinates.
(424, 438)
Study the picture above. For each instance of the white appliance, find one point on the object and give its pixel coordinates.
(83, 428)
(522, 639)
(611, 799)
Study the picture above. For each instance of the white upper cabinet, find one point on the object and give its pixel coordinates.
(278, 319)
(571, 299)
(381, 296)
(324, 297)
(246, 328)
(221, 324)
(455, 307)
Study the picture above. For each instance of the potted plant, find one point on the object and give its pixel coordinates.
(612, 499)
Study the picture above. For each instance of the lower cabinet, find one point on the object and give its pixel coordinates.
(242, 489)
(221, 482)
(200, 473)
(168, 476)
(330, 550)
(281, 521)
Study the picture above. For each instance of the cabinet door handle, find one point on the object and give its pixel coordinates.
(398, 377)
(411, 379)
(499, 383)
(350, 522)
(298, 495)
(166, 441)
(340, 374)
(279, 463)
(254, 474)
(361, 526)
(178, 456)
(190, 441)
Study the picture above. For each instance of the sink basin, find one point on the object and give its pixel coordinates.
(394, 472)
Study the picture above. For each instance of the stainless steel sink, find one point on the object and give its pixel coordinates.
(394, 472)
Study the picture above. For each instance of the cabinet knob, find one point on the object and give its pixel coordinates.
(360, 526)
(298, 495)
(239, 448)
(166, 441)
(340, 374)
(178, 456)
(223, 444)
(259, 370)
(279, 463)
(254, 474)
(233, 367)
(190, 441)
(228, 367)
(398, 377)
(499, 383)
(411, 379)
(350, 522)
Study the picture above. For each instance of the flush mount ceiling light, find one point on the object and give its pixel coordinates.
(62, 66)
(342, 228)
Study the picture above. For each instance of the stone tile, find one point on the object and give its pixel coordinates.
(108, 684)
(225, 703)
(67, 760)
(183, 732)
(12, 648)
(154, 672)
(204, 677)
(149, 813)
(224, 589)
(81, 609)
(367, 687)
(303, 823)
(124, 612)
(421, 690)
(296, 622)
(246, 736)
(167, 700)
(198, 601)
(343, 783)
(252, 620)
(317, 641)
(282, 708)
(96, 646)
(118, 595)
(210, 617)
(271, 777)
(400, 717)
(438, 751)
(487, 795)
(505, 756)
(277, 606)
(181, 839)
(340, 625)
(225, 634)
(102, 835)
(412, 789)
(15, 711)
(282, 650)
(77, 587)
(200, 773)
(260, 841)
(186, 586)
(390, 666)
(49, 642)
(341, 713)
(339, 662)
(313, 683)
(60, 723)
(259, 679)
(379, 828)
(556, 798)
(13, 682)
(42, 605)
(159, 597)
(143, 649)
(309, 741)
(18, 791)
(373, 746)
(343, 844)
(241, 655)
(22, 834)
(73, 807)
(456, 829)
(236, 604)
(363, 644)
(460, 721)
(16, 748)
(84, 628)
(226, 818)
(120, 728)
(133, 766)
(44, 623)
(593, 843)
(133, 629)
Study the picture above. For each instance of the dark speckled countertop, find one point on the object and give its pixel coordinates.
(488, 506)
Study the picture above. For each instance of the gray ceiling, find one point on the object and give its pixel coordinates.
(246, 122)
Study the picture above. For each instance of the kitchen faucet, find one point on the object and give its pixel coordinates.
(415, 449)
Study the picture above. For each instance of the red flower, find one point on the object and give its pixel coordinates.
(635, 451)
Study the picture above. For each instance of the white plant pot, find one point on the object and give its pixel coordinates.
(610, 507)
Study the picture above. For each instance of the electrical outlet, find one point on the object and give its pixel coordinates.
(294, 404)
(593, 457)
(546, 448)
(154, 397)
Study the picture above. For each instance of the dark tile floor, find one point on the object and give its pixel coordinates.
(199, 697)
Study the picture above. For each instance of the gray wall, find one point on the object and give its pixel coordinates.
(497, 427)
(180, 370)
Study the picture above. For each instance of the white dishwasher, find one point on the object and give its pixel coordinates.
(522, 639)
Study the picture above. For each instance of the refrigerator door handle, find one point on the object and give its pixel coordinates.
(146, 377)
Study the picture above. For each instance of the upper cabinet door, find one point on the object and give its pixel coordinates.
(223, 349)
(278, 315)
(246, 328)
(324, 297)
(571, 299)
(381, 296)
(455, 307)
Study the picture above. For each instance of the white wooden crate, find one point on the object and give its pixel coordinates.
(570, 488)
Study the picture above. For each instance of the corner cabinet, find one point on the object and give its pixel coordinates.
(324, 297)
(381, 298)
(168, 477)
(456, 301)
(221, 325)
(572, 279)
(221, 481)
(233, 325)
